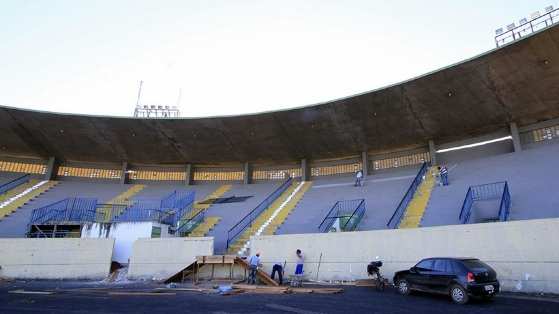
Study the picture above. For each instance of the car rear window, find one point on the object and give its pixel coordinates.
(475, 264)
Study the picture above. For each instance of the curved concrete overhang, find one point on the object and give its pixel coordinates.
(516, 83)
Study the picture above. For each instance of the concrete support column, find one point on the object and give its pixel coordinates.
(188, 174)
(305, 170)
(365, 163)
(515, 137)
(52, 169)
(247, 167)
(433, 152)
(125, 178)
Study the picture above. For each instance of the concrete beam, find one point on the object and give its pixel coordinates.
(515, 137)
(189, 174)
(305, 170)
(365, 163)
(433, 152)
(125, 177)
(52, 169)
(247, 167)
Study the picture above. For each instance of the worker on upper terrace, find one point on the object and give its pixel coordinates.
(443, 171)
(359, 178)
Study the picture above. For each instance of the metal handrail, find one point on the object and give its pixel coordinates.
(482, 192)
(328, 215)
(528, 28)
(249, 218)
(356, 211)
(14, 183)
(394, 221)
(188, 225)
(504, 207)
(361, 213)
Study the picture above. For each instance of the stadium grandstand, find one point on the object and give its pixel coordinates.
(492, 121)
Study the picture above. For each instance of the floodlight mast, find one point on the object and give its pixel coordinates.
(155, 111)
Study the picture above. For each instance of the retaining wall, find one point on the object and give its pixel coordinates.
(525, 254)
(159, 259)
(55, 258)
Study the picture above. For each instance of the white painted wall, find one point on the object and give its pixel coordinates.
(525, 254)
(55, 258)
(161, 258)
(124, 233)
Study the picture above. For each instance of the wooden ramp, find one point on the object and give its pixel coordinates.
(262, 275)
(213, 260)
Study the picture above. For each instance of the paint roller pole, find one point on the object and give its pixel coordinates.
(318, 269)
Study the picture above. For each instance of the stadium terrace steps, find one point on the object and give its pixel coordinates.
(17, 190)
(230, 213)
(23, 194)
(284, 212)
(127, 195)
(200, 206)
(257, 226)
(205, 227)
(416, 208)
(16, 224)
(382, 192)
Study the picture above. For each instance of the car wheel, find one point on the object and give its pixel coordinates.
(459, 294)
(403, 287)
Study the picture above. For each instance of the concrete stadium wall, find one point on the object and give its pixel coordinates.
(159, 259)
(525, 254)
(55, 258)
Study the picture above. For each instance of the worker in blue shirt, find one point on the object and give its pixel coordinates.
(254, 263)
(444, 175)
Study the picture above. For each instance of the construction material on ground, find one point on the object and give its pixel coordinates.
(369, 283)
(21, 291)
(285, 289)
(136, 293)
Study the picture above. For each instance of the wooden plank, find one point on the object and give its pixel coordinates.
(215, 259)
(21, 291)
(132, 293)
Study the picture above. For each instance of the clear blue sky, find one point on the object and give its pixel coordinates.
(231, 57)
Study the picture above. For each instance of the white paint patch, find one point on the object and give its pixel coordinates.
(22, 194)
(274, 214)
(500, 139)
(124, 233)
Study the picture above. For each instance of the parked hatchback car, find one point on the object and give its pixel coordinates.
(460, 278)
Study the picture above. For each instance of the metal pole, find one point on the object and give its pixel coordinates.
(318, 269)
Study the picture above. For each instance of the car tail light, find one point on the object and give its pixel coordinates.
(470, 277)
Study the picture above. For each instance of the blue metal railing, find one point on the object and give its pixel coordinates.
(82, 210)
(78, 210)
(348, 212)
(504, 207)
(483, 192)
(170, 210)
(396, 218)
(247, 220)
(14, 183)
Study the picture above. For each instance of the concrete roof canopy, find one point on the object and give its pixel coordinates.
(517, 82)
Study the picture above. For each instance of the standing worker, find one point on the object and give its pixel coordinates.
(444, 175)
(300, 261)
(278, 267)
(254, 262)
(359, 178)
